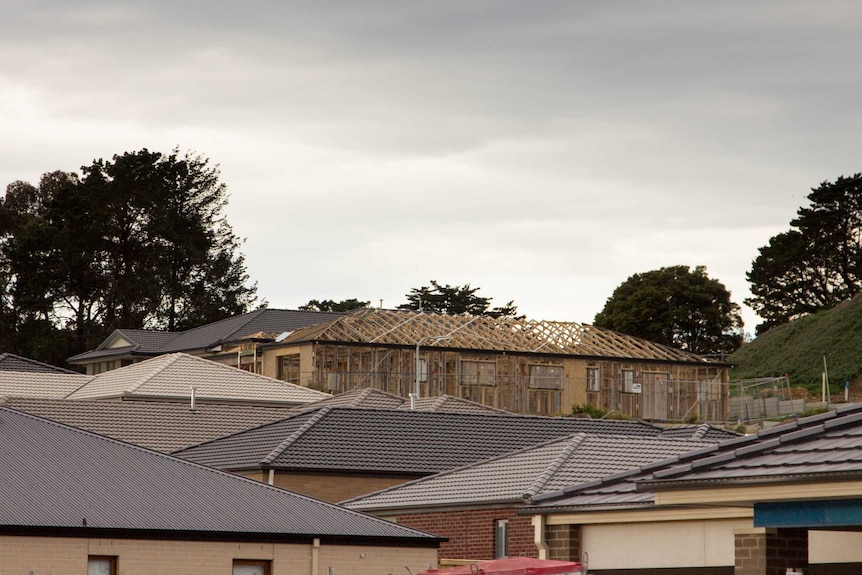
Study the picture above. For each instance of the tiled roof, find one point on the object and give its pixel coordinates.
(698, 431)
(521, 475)
(376, 399)
(152, 342)
(822, 446)
(63, 478)
(392, 441)
(32, 384)
(271, 321)
(826, 446)
(163, 426)
(172, 376)
(12, 362)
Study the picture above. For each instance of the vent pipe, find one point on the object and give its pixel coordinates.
(192, 402)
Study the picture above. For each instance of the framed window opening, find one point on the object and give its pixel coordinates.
(288, 368)
(593, 381)
(545, 376)
(251, 567)
(627, 376)
(478, 373)
(101, 565)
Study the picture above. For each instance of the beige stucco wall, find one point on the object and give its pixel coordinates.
(834, 547)
(661, 544)
(43, 556)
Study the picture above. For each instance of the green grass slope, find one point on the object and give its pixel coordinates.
(797, 349)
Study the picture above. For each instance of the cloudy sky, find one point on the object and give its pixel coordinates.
(543, 151)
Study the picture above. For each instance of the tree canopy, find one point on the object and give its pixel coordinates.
(454, 300)
(675, 306)
(816, 264)
(137, 241)
(330, 305)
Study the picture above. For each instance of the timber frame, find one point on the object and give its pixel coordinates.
(520, 365)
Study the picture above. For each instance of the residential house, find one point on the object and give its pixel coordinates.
(475, 506)
(788, 499)
(77, 502)
(337, 453)
(518, 365)
(234, 339)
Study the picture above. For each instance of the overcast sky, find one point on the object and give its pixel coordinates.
(542, 151)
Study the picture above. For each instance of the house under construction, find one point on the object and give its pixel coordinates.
(523, 366)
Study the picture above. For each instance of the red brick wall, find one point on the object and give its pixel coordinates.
(471, 532)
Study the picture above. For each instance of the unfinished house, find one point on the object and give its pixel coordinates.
(519, 365)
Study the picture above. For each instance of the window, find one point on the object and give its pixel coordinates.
(546, 376)
(544, 401)
(478, 373)
(101, 565)
(501, 536)
(593, 382)
(628, 379)
(288, 368)
(250, 567)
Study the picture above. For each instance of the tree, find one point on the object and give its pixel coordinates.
(330, 305)
(139, 241)
(816, 264)
(675, 306)
(455, 300)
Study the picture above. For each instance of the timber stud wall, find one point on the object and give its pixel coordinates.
(471, 532)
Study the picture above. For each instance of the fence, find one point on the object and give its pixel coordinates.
(765, 398)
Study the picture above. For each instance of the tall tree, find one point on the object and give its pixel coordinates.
(139, 241)
(817, 263)
(675, 306)
(454, 300)
(330, 305)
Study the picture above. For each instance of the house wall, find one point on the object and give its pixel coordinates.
(46, 555)
(328, 487)
(705, 547)
(471, 532)
(668, 391)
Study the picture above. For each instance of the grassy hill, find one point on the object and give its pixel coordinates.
(797, 349)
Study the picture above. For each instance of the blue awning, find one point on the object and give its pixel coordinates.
(810, 514)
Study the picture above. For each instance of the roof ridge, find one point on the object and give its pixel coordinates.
(555, 465)
(171, 358)
(279, 449)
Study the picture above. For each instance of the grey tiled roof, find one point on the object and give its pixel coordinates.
(33, 384)
(519, 476)
(393, 441)
(63, 478)
(163, 426)
(822, 447)
(12, 362)
(171, 376)
(698, 431)
(151, 342)
(376, 399)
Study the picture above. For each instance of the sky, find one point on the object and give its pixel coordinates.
(541, 151)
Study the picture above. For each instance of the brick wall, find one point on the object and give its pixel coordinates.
(46, 556)
(770, 551)
(471, 532)
(564, 542)
(328, 487)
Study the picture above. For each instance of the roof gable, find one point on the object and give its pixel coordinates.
(89, 483)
